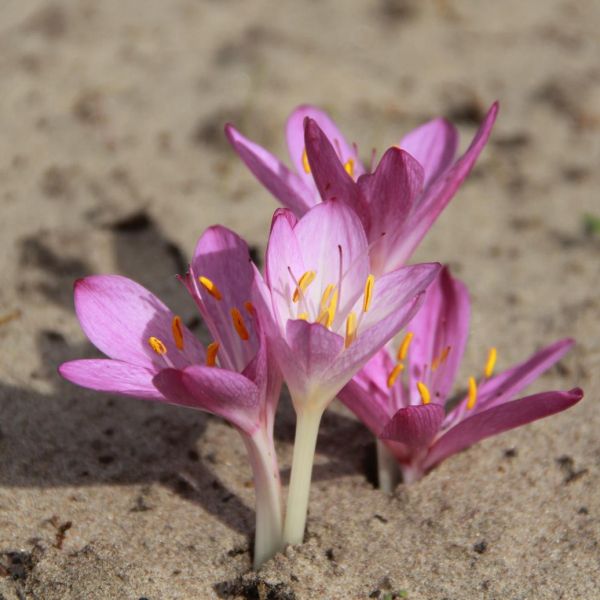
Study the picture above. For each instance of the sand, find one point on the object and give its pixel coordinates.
(112, 159)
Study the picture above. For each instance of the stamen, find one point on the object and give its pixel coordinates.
(491, 362)
(249, 308)
(370, 283)
(303, 283)
(349, 167)
(424, 392)
(238, 323)
(177, 331)
(441, 359)
(211, 354)
(323, 318)
(325, 298)
(350, 329)
(305, 163)
(391, 380)
(472, 398)
(403, 350)
(303, 316)
(157, 345)
(210, 287)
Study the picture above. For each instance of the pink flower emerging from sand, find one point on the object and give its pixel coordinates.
(330, 315)
(416, 417)
(153, 355)
(397, 203)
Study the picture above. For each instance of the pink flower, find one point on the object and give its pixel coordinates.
(398, 202)
(330, 315)
(405, 399)
(153, 355)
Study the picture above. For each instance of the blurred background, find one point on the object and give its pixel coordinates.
(113, 159)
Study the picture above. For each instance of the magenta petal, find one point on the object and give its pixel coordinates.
(119, 316)
(414, 426)
(286, 186)
(439, 193)
(311, 351)
(434, 145)
(441, 323)
(368, 402)
(331, 178)
(295, 139)
(499, 419)
(106, 375)
(218, 391)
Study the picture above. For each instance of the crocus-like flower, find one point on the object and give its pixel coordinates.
(153, 355)
(404, 398)
(330, 315)
(398, 202)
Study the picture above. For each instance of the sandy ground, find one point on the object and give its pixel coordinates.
(112, 159)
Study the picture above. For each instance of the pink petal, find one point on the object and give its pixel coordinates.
(321, 233)
(507, 384)
(439, 193)
(218, 391)
(119, 316)
(499, 419)
(442, 322)
(414, 426)
(305, 364)
(295, 140)
(286, 186)
(434, 145)
(115, 376)
(331, 179)
(390, 193)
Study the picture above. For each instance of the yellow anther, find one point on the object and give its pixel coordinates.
(249, 308)
(210, 287)
(472, 397)
(424, 392)
(157, 345)
(303, 283)
(177, 329)
(238, 323)
(351, 323)
(403, 350)
(441, 359)
(369, 285)
(326, 298)
(303, 316)
(323, 318)
(491, 362)
(305, 163)
(391, 380)
(349, 166)
(211, 354)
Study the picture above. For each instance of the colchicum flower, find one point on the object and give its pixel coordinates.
(330, 315)
(404, 398)
(397, 203)
(153, 355)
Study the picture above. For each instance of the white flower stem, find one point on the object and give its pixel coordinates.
(388, 471)
(307, 429)
(269, 515)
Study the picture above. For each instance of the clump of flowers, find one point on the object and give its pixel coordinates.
(335, 293)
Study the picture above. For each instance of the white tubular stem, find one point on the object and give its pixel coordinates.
(267, 487)
(388, 470)
(307, 429)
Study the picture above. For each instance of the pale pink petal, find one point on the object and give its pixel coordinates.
(218, 391)
(295, 140)
(434, 145)
(439, 193)
(115, 376)
(286, 186)
(441, 323)
(390, 194)
(119, 316)
(499, 419)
